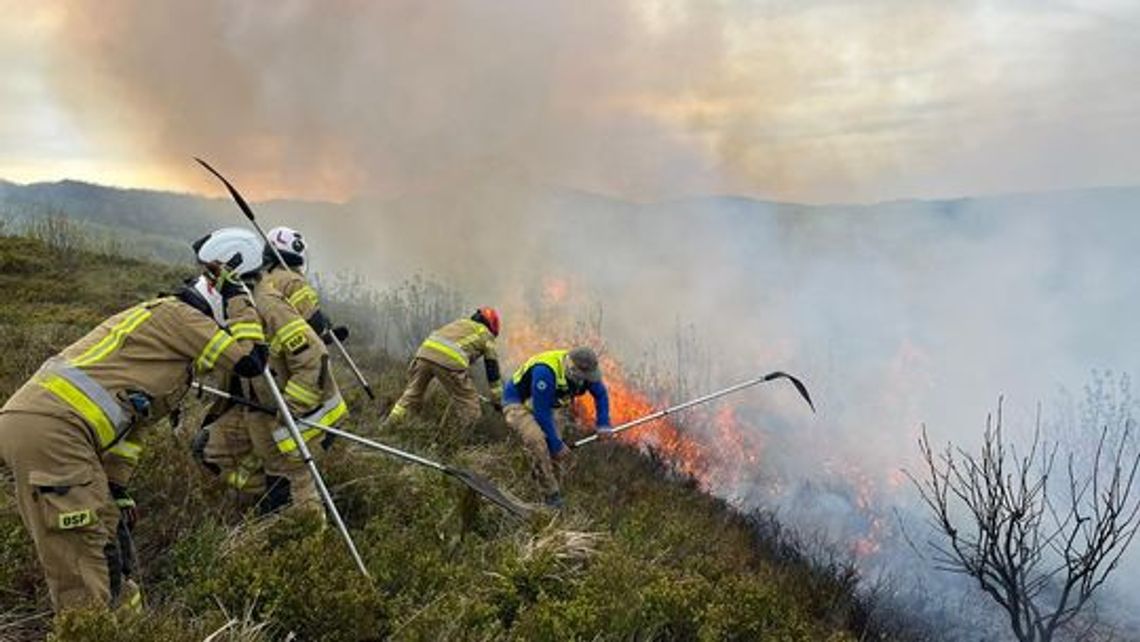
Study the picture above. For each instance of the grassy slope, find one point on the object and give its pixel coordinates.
(637, 556)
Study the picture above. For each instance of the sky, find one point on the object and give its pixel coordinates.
(807, 101)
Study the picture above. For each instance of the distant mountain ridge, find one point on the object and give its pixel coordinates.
(495, 217)
(91, 200)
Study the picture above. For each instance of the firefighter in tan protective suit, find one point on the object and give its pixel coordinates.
(446, 356)
(290, 281)
(71, 434)
(252, 450)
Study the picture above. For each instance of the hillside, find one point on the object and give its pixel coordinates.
(639, 554)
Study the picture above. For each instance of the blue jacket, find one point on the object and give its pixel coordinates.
(543, 401)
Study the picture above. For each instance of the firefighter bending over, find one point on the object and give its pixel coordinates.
(71, 435)
(547, 381)
(290, 280)
(446, 356)
(252, 451)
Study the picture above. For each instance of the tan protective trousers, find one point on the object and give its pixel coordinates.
(520, 418)
(241, 445)
(65, 503)
(464, 398)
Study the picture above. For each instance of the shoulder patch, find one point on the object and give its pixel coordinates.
(297, 343)
(76, 519)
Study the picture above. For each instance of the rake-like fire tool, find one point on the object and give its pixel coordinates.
(800, 387)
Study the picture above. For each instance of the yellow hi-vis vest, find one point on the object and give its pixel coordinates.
(554, 359)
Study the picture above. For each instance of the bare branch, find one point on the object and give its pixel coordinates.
(1039, 557)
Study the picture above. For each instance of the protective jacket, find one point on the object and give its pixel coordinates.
(541, 385)
(133, 370)
(458, 344)
(299, 361)
(296, 289)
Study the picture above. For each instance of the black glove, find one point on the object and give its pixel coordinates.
(253, 364)
(340, 332)
(327, 441)
(319, 323)
(128, 513)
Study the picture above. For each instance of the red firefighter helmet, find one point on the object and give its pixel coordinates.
(490, 318)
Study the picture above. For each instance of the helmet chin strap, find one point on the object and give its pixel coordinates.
(213, 297)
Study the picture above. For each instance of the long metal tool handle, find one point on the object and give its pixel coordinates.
(306, 455)
(248, 211)
(352, 366)
(335, 431)
(480, 485)
(705, 399)
(378, 446)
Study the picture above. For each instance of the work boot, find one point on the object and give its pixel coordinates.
(277, 496)
(394, 416)
(130, 597)
(554, 500)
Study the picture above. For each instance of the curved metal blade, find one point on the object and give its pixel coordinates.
(248, 211)
(490, 492)
(800, 387)
(245, 208)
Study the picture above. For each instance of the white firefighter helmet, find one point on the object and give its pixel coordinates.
(290, 244)
(213, 297)
(232, 251)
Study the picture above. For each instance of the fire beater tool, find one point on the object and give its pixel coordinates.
(477, 483)
(245, 208)
(800, 387)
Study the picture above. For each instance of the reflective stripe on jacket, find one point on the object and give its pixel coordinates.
(297, 356)
(459, 343)
(296, 290)
(328, 414)
(129, 372)
(87, 398)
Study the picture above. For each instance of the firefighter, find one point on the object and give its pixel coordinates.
(247, 474)
(547, 381)
(446, 356)
(71, 435)
(253, 451)
(290, 281)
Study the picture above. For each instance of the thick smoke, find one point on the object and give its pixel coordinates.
(471, 139)
(645, 99)
(390, 98)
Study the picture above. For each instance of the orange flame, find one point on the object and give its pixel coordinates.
(717, 455)
(711, 444)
